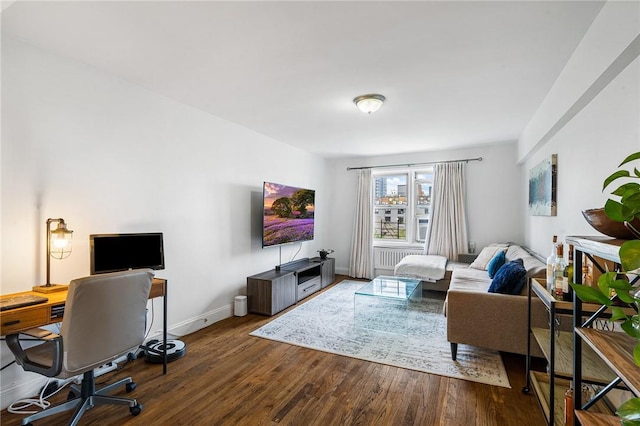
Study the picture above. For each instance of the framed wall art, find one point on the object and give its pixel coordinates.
(543, 187)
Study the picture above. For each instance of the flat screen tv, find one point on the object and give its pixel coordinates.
(288, 215)
(121, 252)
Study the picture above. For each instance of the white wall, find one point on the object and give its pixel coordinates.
(591, 119)
(494, 197)
(108, 156)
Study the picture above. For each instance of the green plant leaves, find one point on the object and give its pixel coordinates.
(628, 328)
(618, 211)
(605, 281)
(631, 200)
(614, 176)
(630, 412)
(630, 255)
(627, 189)
(634, 156)
(629, 205)
(590, 294)
(617, 314)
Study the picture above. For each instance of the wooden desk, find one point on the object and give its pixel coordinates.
(16, 320)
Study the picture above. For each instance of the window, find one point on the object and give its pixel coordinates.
(401, 196)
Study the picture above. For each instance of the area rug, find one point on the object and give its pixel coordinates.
(326, 323)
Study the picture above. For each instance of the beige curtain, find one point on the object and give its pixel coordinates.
(361, 262)
(447, 233)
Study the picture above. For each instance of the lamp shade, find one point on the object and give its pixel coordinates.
(60, 241)
(369, 103)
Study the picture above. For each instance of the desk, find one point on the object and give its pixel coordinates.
(16, 320)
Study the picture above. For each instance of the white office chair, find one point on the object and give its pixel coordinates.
(104, 319)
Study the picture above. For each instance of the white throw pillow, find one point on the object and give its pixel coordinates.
(486, 255)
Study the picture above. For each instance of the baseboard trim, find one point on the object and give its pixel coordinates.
(342, 271)
(194, 324)
(27, 387)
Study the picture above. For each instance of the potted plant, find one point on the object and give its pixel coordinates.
(324, 253)
(623, 209)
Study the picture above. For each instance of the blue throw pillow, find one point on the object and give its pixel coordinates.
(496, 263)
(510, 278)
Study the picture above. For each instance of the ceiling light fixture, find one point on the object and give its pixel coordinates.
(369, 103)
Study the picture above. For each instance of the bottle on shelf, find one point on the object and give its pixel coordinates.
(586, 280)
(568, 406)
(550, 261)
(567, 290)
(558, 272)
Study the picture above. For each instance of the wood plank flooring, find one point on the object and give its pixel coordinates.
(231, 378)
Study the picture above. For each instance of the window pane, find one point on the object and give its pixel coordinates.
(426, 175)
(390, 199)
(423, 194)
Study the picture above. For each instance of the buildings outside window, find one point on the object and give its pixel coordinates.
(402, 195)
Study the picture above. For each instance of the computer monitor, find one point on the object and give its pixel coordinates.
(120, 252)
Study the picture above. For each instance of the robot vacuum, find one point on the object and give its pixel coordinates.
(154, 350)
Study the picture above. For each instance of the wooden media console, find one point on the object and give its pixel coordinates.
(272, 291)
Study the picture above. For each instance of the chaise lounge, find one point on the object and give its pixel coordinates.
(489, 320)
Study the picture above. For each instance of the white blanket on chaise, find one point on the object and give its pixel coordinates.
(425, 267)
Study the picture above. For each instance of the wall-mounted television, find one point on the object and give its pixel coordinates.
(288, 215)
(121, 252)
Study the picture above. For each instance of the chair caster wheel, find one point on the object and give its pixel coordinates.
(525, 389)
(130, 386)
(135, 410)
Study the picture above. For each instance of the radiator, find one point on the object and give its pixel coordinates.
(388, 258)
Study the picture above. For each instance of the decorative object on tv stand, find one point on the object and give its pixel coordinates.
(58, 247)
(324, 253)
(369, 103)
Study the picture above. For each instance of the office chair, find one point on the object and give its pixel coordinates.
(104, 319)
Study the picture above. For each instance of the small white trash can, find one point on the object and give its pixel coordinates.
(240, 306)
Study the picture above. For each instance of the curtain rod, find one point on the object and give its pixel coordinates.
(466, 160)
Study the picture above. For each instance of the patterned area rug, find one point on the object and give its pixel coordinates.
(326, 323)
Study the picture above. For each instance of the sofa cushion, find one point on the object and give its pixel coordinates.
(470, 279)
(534, 267)
(498, 260)
(510, 278)
(486, 255)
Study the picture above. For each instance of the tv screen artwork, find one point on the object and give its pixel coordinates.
(288, 214)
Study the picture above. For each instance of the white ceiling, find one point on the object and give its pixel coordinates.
(455, 73)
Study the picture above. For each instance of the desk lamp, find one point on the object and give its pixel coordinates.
(58, 247)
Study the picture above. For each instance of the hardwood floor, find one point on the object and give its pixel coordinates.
(231, 378)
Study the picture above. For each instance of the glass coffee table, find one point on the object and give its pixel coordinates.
(383, 304)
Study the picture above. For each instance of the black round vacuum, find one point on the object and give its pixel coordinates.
(154, 350)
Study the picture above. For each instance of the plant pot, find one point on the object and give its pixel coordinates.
(599, 220)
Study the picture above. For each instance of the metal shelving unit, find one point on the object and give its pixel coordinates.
(557, 347)
(613, 347)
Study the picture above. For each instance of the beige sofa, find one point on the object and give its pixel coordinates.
(493, 320)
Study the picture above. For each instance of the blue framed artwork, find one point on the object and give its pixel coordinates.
(542, 187)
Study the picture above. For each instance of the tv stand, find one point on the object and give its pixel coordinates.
(272, 291)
